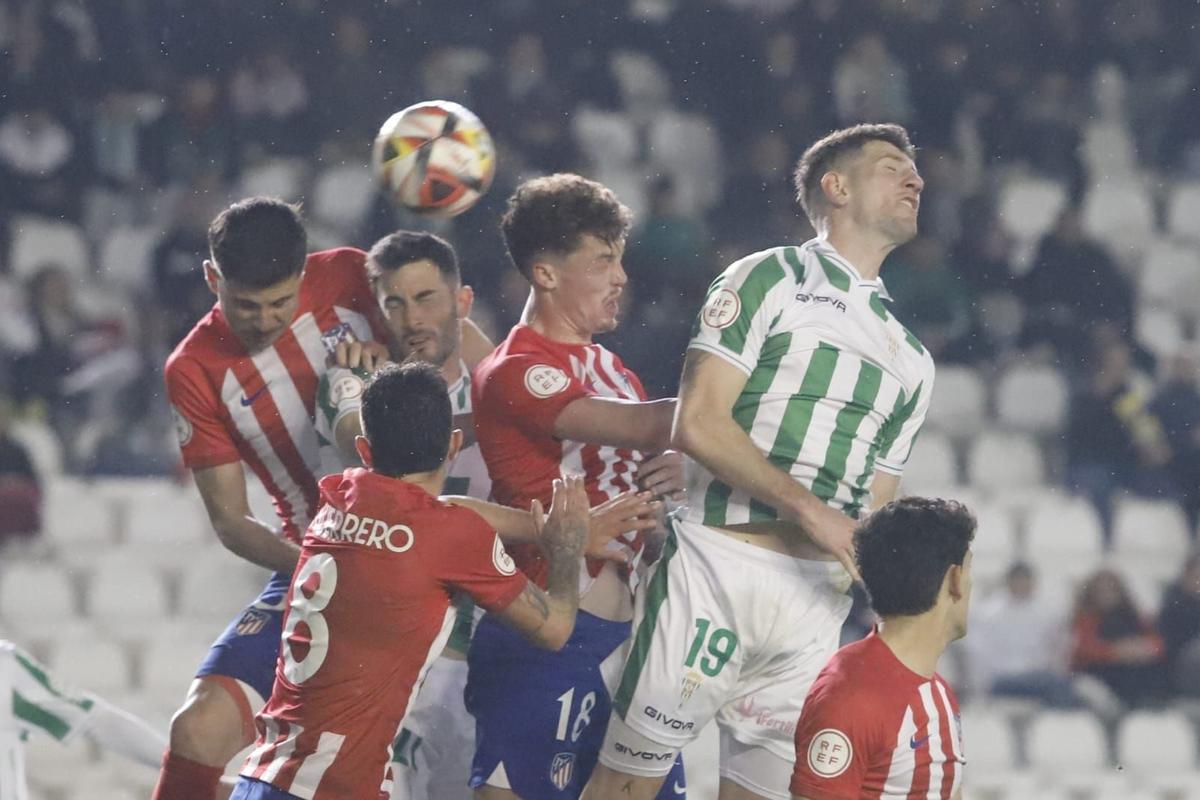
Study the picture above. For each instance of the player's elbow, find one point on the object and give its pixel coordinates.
(685, 433)
(555, 634)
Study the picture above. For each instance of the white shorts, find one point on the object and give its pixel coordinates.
(727, 631)
(437, 739)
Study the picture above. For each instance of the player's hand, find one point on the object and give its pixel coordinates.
(663, 475)
(566, 527)
(833, 532)
(625, 513)
(355, 354)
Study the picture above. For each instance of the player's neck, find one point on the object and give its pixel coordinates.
(862, 249)
(917, 642)
(431, 482)
(452, 367)
(541, 315)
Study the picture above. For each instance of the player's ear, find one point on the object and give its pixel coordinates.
(543, 275)
(465, 298)
(211, 276)
(364, 451)
(955, 583)
(456, 441)
(835, 188)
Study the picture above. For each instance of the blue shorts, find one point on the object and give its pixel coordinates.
(251, 789)
(541, 714)
(249, 647)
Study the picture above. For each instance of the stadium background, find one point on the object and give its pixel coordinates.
(1056, 279)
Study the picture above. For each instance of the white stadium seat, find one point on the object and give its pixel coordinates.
(1108, 150)
(1032, 399)
(1028, 206)
(92, 663)
(990, 741)
(37, 241)
(276, 177)
(1155, 743)
(1150, 537)
(126, 594)
(1183, 209)
(168, 665)
(959, 402)
(1064, 538)
(36, 598)
(1170, 276)
(172, 517)
(1120, 213)
(76, 519)
(127, 254)
(932, 463)
(1066, 742)
(995, 544)
(999, 461)
(342, 195)
(1161, 330)
(216, 588)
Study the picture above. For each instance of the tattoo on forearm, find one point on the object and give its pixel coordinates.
(536, 598)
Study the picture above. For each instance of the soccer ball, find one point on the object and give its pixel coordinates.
(435, 158)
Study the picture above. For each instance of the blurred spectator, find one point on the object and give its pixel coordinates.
(1074, 284)
(179, 288)
(667, 248)
(1115, 642)
(20, 492)
(931, 297)
(38, 162)
(1177, 406)
(195, 135)
(118, 135)
(269, 97)
(1018, 643)
(870, 85)
(1114, 440)
(1179, 622)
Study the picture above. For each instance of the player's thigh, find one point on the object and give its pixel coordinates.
(607, 782)
(752, 772)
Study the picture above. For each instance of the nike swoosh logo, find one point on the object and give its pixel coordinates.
(246, 401)
(679, 789)
(916, 743)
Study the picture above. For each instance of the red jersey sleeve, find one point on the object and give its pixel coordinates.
(532, 391)
(204, 439)
(833, 743)
(354, 287)
(475, 561)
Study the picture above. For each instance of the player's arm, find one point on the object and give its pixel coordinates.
(223, 489)
(642, 426)
(705, 430)
(631, 511)
(547, 618)
(347, 429)
(885, 487)
(475, 343)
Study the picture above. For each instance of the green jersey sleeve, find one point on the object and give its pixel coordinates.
(339, 393)
(39, 703)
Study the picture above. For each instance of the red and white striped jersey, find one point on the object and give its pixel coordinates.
(519, 390)
(230, 405)
(368, 611)
(872, 729)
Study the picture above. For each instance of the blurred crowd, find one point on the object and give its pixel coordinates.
(126, 124)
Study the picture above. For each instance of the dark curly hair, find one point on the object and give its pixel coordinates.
(553, 213)
(407, 419)
(829, 152)
(905, 548)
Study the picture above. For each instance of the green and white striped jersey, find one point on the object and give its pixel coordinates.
(836, 389)
(32, 702)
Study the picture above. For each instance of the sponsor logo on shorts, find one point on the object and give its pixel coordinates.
(252, 622)
(829, 753)
(722, 309)
(543, 380)
(345, 388)
(562, 769)
(763, 717)
(502, 560)
(183, 426)
(668, 721)
(642, 755)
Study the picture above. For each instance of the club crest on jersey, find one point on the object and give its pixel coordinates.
(691, 682)
(183, 426)
(345, 388)
(562, 769)
(829, 753)
(543, 380)
(338, 333)
(502, 560)
(722, 309)
(252, 622)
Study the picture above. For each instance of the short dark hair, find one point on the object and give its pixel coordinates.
(258, 242)
(406, 418)
(829, 152)
(404, 247)
(552, 214)
(905, 548)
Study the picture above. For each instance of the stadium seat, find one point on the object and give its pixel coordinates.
(126, 255)
(36, 598)
(124, 594)
(168, 664)
(1150, 537)
(1028, 206)
(959, 402)
(1063, 538)
(1170, 276)
(167, 528)
(608, 138)
(1120, 213)
(277, 177)
(1183, 209)
(92, 663)
(1032, 399)
(990, 742)
(995, 544)
(1000, 461)
(1108, 150)
(1160, 330)
(215, 589)
(43, 445)
(932, 463)
(37, 241)
(342, 195)
(1156, 743)
(1066, 742)
(76, 519)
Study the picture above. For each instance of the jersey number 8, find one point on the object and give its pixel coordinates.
(304, 649)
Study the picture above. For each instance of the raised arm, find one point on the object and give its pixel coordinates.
(547, 618)
(223, 489)
(706, 430)
(642, 426)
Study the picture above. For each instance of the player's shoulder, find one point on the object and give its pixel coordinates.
(331, 273)
(766, 268)
(854, 672)
(522, 351)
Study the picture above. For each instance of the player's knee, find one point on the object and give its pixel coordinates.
(607, 783)
(208, 728)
